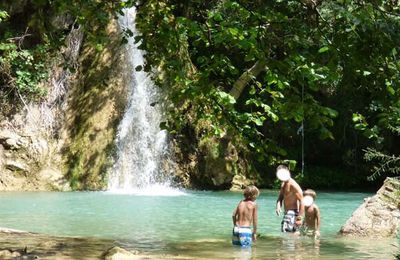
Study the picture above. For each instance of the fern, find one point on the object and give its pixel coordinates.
(385, 163)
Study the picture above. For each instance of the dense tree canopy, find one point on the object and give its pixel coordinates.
(259, 69)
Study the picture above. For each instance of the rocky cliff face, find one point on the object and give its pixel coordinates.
(94, 108)
(65, 141)
(30, 157)
(205, 162)
(378, 216)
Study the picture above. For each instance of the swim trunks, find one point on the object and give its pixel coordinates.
(242, 236)
(289, 221)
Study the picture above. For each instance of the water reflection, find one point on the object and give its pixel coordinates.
(243, 253)
(287, 247)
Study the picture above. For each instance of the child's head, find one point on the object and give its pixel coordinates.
(310, 192)
(309, 197)
(251, 192)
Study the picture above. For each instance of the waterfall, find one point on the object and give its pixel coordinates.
(142, 147)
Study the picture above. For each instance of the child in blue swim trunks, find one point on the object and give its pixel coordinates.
(245, 216)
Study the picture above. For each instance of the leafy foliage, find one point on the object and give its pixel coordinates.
(19, 69)
(31, 33)
(22, 70)
(321, 62)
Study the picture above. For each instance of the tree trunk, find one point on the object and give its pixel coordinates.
(241, 83)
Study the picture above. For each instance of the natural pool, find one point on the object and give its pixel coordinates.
(190, 223)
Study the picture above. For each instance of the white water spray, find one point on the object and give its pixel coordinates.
(142, 146)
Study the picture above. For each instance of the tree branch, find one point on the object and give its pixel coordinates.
(241, 83)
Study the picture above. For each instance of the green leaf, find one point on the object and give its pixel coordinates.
(7, 46)
(330, 112)
(226, 97)
(325, 134)
(391, 90)
(323, 49)
(233, 31)
(3, 15)
(258, 121)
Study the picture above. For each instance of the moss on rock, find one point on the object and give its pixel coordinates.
(95, 106)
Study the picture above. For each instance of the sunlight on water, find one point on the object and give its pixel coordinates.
(151, 190)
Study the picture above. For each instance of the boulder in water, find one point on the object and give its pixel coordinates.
(378, 216)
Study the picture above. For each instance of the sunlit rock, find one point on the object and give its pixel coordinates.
(118, 253)
(9, 139)
(8, 254)
(16, 166)
(378, 216)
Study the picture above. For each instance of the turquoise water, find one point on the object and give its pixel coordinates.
(196, 224)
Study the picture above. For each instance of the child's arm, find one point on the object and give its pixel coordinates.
(255, 222)
(317, 220)
(279, 201)
(234, 214)
(299, 197)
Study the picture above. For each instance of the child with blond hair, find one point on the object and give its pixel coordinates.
(245, 218)
(312, 220)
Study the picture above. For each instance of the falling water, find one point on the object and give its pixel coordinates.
(142, 146)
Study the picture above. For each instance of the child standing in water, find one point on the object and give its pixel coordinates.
(244, 216)
(312, 219)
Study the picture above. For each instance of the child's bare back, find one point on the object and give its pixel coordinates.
(244, 217)
(244, 213)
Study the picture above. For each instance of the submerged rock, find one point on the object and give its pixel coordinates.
(378, 216)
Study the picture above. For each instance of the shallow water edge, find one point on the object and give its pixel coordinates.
(40, 246)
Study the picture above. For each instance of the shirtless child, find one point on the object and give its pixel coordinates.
(244, 216)
(291, 196)
(312, 218)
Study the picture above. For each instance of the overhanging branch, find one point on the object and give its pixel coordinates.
(241, 83)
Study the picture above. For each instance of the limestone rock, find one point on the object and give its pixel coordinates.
(16, 166)
(9, 139)
(378, 216)
(118, 253)
(54, 179)
(219, 161)
(239, 182)
(8, 254)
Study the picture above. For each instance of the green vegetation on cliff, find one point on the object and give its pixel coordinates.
(31, 34)
(34, 40)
